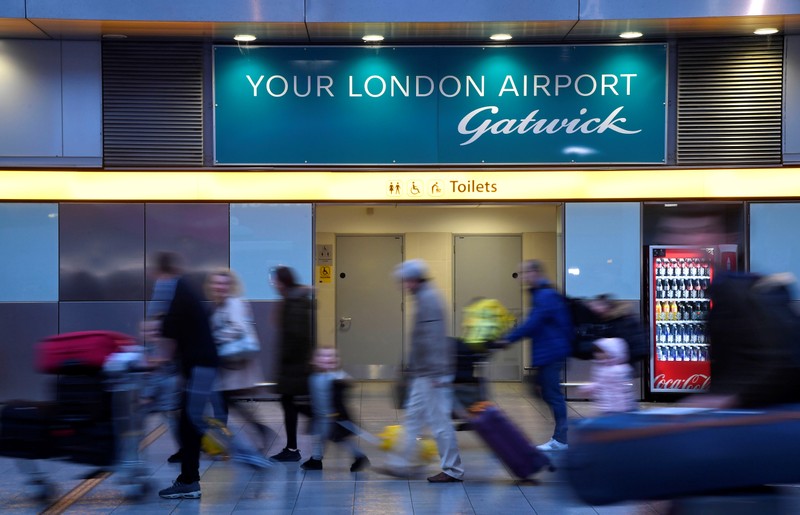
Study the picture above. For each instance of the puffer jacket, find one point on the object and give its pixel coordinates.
(611, 387)
(548, 325)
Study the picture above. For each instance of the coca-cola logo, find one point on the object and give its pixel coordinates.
(693, 382)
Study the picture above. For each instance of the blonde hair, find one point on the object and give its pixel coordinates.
(236, 289)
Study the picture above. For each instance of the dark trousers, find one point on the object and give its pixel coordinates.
(290, 411)
(197, 392)
(548, 378)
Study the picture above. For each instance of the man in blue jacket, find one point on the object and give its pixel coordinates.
(549, 327)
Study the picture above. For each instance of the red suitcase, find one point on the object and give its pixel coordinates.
(508, 442)
(80, 352)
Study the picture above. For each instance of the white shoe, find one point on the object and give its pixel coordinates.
(553, 445)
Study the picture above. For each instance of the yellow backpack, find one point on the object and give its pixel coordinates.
(485, 320)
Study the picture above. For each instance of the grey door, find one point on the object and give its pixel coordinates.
(487, 266)
(369, 305)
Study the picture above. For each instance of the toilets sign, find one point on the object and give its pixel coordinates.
(440, 105)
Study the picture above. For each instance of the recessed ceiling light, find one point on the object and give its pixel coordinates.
(244, 38)
(766, 31)
(500, 37)
(372, 38)
(114, 36)
(631, 35)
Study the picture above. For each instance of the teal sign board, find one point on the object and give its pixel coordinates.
(440, 105)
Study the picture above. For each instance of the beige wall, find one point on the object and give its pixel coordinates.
(428, 234)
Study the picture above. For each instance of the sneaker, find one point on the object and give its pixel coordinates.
(312, 464)
(180, 490)
(175, 458)
(552, 445)
(441, 477)
(287, 455)
(361, 463)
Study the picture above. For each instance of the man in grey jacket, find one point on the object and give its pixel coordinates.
(430, 373)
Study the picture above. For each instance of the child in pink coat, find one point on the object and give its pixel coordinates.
(611, 388)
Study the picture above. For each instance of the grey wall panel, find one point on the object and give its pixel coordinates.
(123, 317)
(198, 232)
(627, 10)
(83, 100)
(791, 100)
(12, 9)
(29, 255)
(102, 252)
(264, 313)
(603, 249)
(175, 10)
(268, 235)
(24, 324)
(30, 95)
(387, 11)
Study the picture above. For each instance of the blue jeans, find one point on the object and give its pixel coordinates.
(549, 380)
(197, 393)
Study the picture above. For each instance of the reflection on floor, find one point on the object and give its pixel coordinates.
(230, 488)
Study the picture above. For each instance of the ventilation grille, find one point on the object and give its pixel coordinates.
(729, 101)
(152, 104)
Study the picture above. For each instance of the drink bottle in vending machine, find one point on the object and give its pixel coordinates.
(678, 306)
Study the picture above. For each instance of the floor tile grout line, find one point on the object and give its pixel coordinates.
(87, 485)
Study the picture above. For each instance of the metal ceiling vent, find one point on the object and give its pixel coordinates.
(152, 104)
(729, 101)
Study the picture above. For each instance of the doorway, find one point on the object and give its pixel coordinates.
(486, 266)
(369, 306)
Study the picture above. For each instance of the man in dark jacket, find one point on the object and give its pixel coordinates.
(549, 327)
(186, 322)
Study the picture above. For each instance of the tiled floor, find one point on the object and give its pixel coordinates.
(230, 488)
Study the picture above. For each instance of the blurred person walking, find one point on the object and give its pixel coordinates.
(611, 386)
(295, 327)
(614, 319)
(327, 384)
(430, 373)
(549, 327)
(186, 322)
(161, 392)
(238, 374)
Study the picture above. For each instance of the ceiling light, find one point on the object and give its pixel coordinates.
(500, 37)
(114, 36)
(766, 31)
(372, 38)
(244, 38)
(631, 35)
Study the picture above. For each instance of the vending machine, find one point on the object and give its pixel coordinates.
(678, 309)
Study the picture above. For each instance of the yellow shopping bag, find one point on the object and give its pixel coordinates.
(392, 436)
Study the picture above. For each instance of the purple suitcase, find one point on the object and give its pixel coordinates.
(509, 443)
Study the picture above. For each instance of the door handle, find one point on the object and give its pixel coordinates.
(344, 323)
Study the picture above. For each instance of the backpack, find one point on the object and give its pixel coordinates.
(585, 328)
(588, 327)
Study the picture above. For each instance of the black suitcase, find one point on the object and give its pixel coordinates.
(83, 397)
(25, 429)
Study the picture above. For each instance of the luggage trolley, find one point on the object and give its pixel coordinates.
(95, 418)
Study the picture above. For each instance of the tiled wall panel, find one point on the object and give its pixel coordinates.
(29, 256)
(102, 252)
(123, 317)
(198, 232)
(23, 325)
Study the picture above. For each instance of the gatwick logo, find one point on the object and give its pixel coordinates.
(477, 123)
